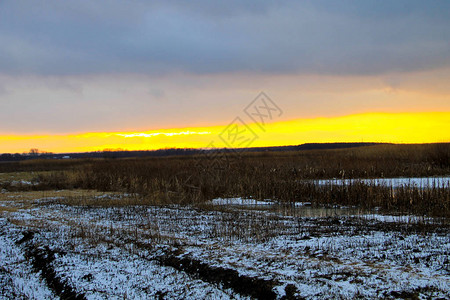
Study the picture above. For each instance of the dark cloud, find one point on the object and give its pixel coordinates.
(325, 37)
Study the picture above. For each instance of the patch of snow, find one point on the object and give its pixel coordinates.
(17, 278)
(397, 219)
(21, 183)
(420, 182)
(102, 274)
(241, 201)
(301, 204)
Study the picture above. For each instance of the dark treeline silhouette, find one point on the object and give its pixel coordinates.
(34, 153)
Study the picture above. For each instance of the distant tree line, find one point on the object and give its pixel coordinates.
(111, 153)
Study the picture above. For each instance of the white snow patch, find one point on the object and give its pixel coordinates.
(17, 277)
(420, 182)
(241, 201)
(21, 183)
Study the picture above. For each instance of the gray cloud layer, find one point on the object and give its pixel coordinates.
(325, 37)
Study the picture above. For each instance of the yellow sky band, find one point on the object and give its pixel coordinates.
(421, 127)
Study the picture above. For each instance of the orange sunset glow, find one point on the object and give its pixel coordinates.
(82, 77)
(375, 127)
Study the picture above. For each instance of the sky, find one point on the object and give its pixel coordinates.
(89, 75)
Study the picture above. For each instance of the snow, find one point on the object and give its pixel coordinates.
(420, 182)
(241, 201)
(398, 218)
(111, 252)
(16, 274)
(21, 183)
(116, 274)
(301, 204)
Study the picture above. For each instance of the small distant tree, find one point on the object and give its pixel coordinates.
(34, 152)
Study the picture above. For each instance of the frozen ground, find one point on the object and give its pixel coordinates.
(222, 250)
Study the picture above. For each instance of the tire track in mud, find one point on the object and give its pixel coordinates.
(41, 259)
(254, 287)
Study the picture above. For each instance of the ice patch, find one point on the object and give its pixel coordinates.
(241, 201)
(420, 182)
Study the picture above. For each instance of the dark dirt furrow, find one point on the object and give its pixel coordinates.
(254, 287)
(41, 259)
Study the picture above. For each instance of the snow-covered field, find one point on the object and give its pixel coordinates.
(224, 249)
